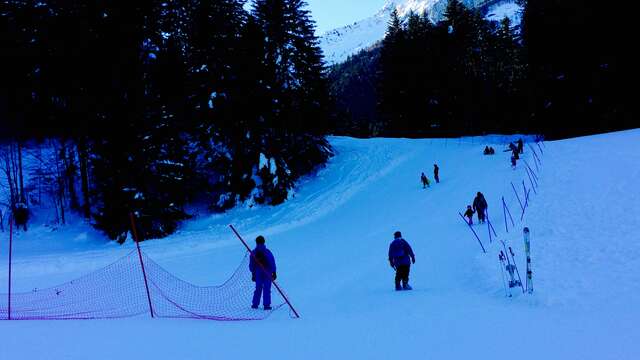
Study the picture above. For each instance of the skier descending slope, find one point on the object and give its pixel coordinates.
(400, 258)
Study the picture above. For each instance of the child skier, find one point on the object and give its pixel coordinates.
(469, 214)
(425, 181)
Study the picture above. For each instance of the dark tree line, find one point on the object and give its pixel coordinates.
(565, 64)
(162, 103)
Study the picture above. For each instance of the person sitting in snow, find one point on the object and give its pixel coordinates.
(469, 214)
(436, 173)
(400, 258)
(263, 271)
(480, 205)
(425, 181)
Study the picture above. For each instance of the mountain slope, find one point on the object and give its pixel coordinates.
(339, 43)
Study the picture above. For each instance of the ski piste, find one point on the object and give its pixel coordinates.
(527, 250)
(511, 267)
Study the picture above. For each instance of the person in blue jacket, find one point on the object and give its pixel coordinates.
(400, 258)
(263, 271)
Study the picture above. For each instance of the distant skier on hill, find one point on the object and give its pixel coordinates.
(480, 205)
(400, 258)
(263, 271)
(436, 173)
(425, 181)
(469, 214)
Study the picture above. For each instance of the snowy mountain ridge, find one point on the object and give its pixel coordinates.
(340, 43)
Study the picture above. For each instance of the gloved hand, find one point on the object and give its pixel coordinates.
(253, 277)
(273, 276)
(413, 261)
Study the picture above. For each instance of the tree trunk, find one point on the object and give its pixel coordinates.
(84, 177)
(23, 198)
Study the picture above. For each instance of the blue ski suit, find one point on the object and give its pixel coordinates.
(262, 275)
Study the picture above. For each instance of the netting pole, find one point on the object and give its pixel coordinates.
(10, 251)
(144, 273)
(474, 233)
(265, 270)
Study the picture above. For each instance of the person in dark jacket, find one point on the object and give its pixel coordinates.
(436, 173)
(425, 181)
(263, 271)
(400, 258)
(487, 151)
(520, 146)
(480, 206)
(469, 214)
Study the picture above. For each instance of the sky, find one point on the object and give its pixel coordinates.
(330, 14)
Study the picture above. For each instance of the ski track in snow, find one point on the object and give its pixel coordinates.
(331, 240)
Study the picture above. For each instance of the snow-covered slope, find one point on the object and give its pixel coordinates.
(339, 43)
(331, 244)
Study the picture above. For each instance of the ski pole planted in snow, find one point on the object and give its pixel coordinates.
(517, 196)
(535, 177)
(474, 233)
(531, 181)
(505, 210)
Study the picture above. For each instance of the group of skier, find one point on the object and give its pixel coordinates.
(436, 175)
(516, 150)
(263, 266)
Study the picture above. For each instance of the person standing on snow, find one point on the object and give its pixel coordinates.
(480, 205)
(263, 271)
(400, 258)
(520, 146)
(425, 180)
(436, 173)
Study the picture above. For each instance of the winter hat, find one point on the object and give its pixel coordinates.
(397, 234)
(260, 240)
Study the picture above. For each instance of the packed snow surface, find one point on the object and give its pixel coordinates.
(331, 241)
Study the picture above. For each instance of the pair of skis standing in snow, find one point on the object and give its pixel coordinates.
(508, 263)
